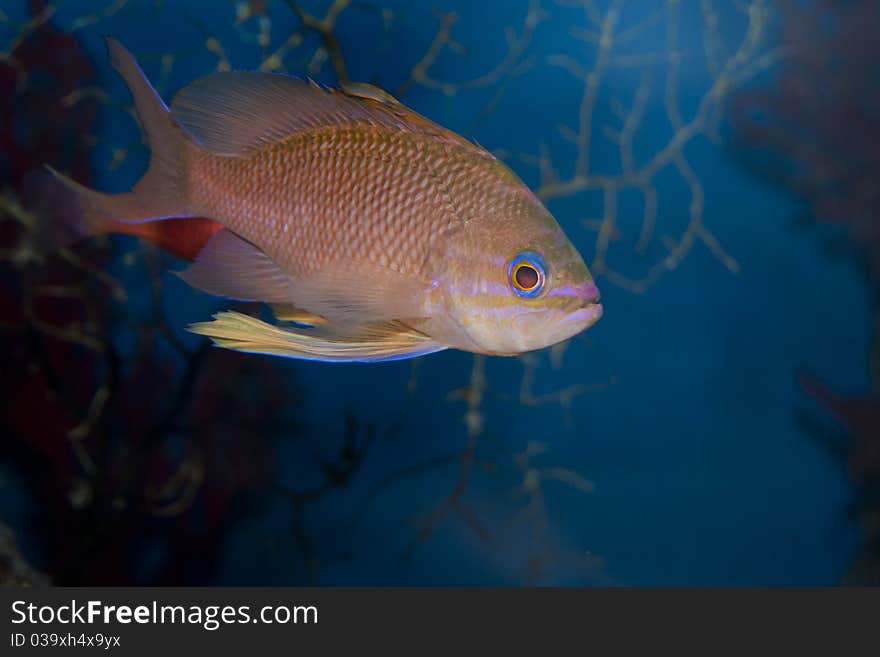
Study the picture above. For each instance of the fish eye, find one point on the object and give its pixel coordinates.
(526, 274)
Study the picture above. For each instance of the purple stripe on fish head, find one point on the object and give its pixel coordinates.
(587, 292)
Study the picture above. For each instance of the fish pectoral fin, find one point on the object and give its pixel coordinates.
(230, 266)
(358, 291)
(369, 342)
(346, 292)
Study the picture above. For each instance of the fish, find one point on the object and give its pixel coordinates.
(372, 232)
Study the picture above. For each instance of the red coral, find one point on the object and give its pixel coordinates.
(818, 125)
(821, 116)
(122, 452)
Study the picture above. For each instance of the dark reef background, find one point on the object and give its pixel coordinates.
(716, 161)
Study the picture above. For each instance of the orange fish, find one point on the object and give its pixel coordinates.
(379, 234)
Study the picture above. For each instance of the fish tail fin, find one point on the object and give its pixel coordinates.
(64, 211)
(60, 210)
(67, 211)
(161, 192)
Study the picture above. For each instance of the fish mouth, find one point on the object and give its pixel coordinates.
(590, 310)
(589, 314)
(577, 320)
(593, 298)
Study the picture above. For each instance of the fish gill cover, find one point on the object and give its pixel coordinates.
(670, 444)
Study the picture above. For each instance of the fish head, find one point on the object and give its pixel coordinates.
(510, 281)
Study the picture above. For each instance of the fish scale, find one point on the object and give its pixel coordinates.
(355, 209)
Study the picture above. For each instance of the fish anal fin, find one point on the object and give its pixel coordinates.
(373, 342)
(231, 267)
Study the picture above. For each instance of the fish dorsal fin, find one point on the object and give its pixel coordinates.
(369, 342)
(232, 267)
(366, 90)
(235, 113)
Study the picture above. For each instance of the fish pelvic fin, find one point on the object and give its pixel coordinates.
(373, 342)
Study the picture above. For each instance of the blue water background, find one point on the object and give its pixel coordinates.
(703, 471)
